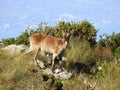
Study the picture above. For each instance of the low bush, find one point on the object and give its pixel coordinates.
(78, 52)
(117, 52)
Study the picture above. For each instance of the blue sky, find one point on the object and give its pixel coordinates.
(16, 15)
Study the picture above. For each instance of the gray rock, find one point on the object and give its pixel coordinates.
(57, 71)
(41, 64)
(62, 75)
(48, 71)
(13, 49)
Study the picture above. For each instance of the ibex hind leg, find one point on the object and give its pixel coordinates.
(36, 50)
(53, 61)
(28, 51)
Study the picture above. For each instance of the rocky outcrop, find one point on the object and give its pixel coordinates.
(58, 73)
(62, 75)
(13, 49)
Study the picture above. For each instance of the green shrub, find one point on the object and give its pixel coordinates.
(45, 77)
(102, 53)
(8, 41)
(117, 52)
(57, 84)
(78, 52)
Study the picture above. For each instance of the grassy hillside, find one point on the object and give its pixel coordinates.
(91, 70)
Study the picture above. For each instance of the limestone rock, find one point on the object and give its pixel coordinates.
(62, 75)
(41, 64)
(48, 71)
(13, 49)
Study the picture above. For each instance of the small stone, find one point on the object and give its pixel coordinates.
(48, 71)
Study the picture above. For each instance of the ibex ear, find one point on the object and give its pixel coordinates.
(66, 36)
(66, 33)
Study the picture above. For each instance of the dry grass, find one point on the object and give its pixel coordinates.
(74, 84)
(108, 77)
(15, 73)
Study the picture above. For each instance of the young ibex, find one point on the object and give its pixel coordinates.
(49, 44)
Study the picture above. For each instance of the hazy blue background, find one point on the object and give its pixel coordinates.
(16, 15)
